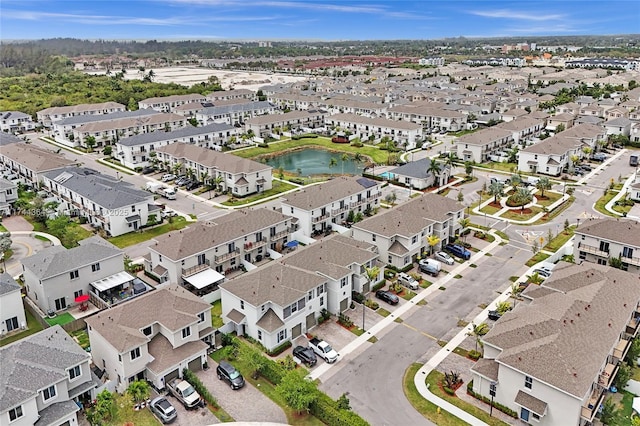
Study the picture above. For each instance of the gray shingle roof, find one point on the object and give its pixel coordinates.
(200, 236)
(56, 412)
(228, 109)
(35, 158)
(106, 191)
(589, 307)
(415, 169)
(210, 158)
(531, 403)
(36, 362)
(7, 284)
(618, 230)
(270, 321)
(183, 132)
(56, 260)
(94, 118)
(173, 307)
(320, 195)
(7, 138)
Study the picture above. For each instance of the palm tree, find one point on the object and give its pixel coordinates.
(90, 141)
(204, 178)
(432, 240)
(449, 160)
(177, 168)
(344, 158)
(478, 331)
(514, 292)
(372, 274)
(217, 181)
(496, 189)
(542, 184)
(516, 180)
(522, 196)
(464, 222)
(434, 169)
(536, 278)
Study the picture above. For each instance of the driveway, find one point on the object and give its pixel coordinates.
(23, 246)
(247, 404)
(16, 223)
(196, 417)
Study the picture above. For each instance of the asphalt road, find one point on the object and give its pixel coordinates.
(373, 379)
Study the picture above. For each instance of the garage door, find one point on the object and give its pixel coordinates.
(366, 288)
(311, 321)
(195, 365)
(296, 331)
(173, 375)
(344, 305)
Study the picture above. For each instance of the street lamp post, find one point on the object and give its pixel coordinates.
(578, 221)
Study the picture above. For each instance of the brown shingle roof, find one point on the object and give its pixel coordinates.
(531, 403)
(35, 158)
(484, 136)
(546, 339)
(166, 357)
(618, 230)
(555, 145)
(270, 321)
(487, 368)
(173, 307)
(200, 236)
(210, 158)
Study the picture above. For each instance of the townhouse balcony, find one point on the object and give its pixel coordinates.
(280, 234)
(252, 245)
(320, 218)
(223, 257)
(187, 272)
(335, 212)
(589, 410)
(606, 377)
(631, 260)
(620, 351)
(593, 250)
(632, 326)
(366, 200)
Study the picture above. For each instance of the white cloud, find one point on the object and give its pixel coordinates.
(127, 20)
(511, 14)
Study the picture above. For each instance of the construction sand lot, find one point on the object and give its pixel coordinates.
(189, 76)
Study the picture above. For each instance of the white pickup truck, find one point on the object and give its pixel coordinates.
(183, 390)
(324, 350)
(164, 191)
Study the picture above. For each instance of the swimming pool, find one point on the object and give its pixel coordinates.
(387, 175)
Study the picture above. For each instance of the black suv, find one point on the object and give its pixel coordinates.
(229, 373)
(305, 355)
(387, 296)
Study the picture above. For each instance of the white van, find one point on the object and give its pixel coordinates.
(430, 266)
(408, 281)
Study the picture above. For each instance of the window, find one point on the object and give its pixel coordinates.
(343, 282)
(186, 332)
(414, 239)
(282, 334)
(322, 301)
(74, 372)
(77, 294)
(201, 317)
(49, 393)
(602, 262)
(535, 416)
(528, 382)
(524, 414)
(373, 237)
(310, 295)
(119, 360)
(259, 335)
(242, 304)
(627, 252)
(15, 413)
(12, 324)
(135, 354)
(73, 274)
(95, 267)
(147, 331)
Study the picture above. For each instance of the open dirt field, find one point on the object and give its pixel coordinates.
(189, 76)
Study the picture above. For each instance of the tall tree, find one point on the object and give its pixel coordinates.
(496, 189)
(298, 392)
(543, 184)
(477, 331)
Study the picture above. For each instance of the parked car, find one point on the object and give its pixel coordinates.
(586, 167)
(387, 296)
(408, 281)
(494, 315)
(305, 355)
(168, 177)
(545, 273)
(228, 373)
(193, 185)
(148, 170)
(598, 156)
(430, 266)
(180, 180)
(443, 257)
(163, 409)
(458, 250)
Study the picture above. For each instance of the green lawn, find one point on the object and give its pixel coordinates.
(376, 155)
(434, 378)
(383, 312)
(552, 198)
(599, 205)
(126, 415)
(82, 337)
(132, 238)
(33, 327)
(538, 257)
(408, 295)
(424, 407)
(505, 167)
(60, 319)
(216, 314)
(278, 188)
(268, 389)
(556, 211)
(559, 240)
(2, 228)
(489, 209)
(515, 214)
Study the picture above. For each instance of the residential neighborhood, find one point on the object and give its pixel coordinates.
(444, 238)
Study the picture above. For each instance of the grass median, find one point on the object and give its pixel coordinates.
(126, 240)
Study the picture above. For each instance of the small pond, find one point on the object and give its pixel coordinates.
(310, 161)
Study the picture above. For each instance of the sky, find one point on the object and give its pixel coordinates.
(312, 19)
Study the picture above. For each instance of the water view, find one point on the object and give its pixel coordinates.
(309, 162)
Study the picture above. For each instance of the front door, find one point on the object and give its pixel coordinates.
(344, 304)
(311, 320)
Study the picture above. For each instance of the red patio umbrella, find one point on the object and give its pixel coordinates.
(82, 298)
